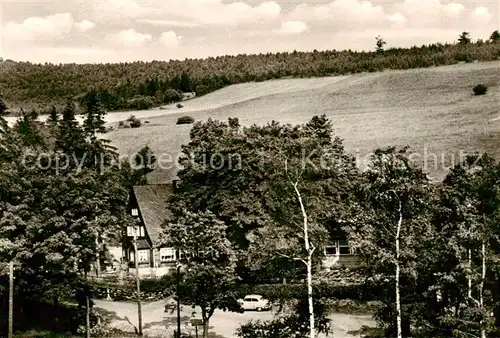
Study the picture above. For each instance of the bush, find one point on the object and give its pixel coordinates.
(185, 120)
(290, 292)
(134, 122)
(178, 105)
(151, 289)
(351, 306)
(172, 95)
(294, 325)
(480, 89)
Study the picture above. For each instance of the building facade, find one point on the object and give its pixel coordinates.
(339, 254)
(148, 205)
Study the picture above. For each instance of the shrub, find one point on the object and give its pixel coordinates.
(288, 292)
(178, 105)
(185, 120)
(480, 89)
(134, 122)
(151, 289)
(294, 325)
(172, 95)
(351, 306)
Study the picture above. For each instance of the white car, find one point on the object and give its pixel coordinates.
(254, 302)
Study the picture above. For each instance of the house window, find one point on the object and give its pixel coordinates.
(140, 231)
(135, 212)
(330, 251)
(143, 256)
(344, 248)
(167, 254)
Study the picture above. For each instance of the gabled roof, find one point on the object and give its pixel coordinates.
(152, 203)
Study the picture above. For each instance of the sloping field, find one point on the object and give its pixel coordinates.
(431, 110)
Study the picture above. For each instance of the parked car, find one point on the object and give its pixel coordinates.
(254, 302)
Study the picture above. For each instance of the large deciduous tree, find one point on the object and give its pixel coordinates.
(209, 262)
(390, 231)
(283, 185)
(468, 219)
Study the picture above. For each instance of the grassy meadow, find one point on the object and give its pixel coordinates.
(433, 110)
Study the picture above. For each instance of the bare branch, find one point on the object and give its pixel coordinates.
(293, 258)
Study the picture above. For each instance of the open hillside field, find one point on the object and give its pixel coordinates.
(432, 110)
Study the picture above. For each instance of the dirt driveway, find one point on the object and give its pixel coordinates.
(157, 323)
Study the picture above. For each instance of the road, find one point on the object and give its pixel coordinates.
(157, 323)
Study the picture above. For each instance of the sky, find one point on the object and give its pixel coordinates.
(100, 31)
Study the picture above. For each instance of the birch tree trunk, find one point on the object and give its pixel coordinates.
(310, 251)
(481, 287)
(398, 296)
(469, 278)
(97, 258)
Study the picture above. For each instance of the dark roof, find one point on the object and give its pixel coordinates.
(152, 202)
(142, 244)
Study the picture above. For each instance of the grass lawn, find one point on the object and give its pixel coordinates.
(433, 110)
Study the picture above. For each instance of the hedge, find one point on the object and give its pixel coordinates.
(151, 289)
(287, 292)
(155, 289)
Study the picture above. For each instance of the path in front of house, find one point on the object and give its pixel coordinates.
(157, 323)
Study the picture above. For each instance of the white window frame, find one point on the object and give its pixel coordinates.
(331, 246)
(338, 246)
(346, 245)
(167, 252)
(140, 231)
(143, 256)
(134, 212)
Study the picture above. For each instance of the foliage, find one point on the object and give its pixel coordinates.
(209, 278)
(380, 44)
(464, 38)
(185, 120)
(495, 36)
(284, 293)
(238, 173)
(134, 122)
(480, 89)
(42, 316)
(123, 86)
(145, 162)
(57, 203)
(467, 219)
(394, 206)
(291, 325)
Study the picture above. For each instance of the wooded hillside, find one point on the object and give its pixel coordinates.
(140, 85)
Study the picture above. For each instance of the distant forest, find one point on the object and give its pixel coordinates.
(142, 85)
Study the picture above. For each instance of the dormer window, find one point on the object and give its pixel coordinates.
(135, 212)
(138, 231)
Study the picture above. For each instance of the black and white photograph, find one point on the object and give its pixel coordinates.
(249, 168)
